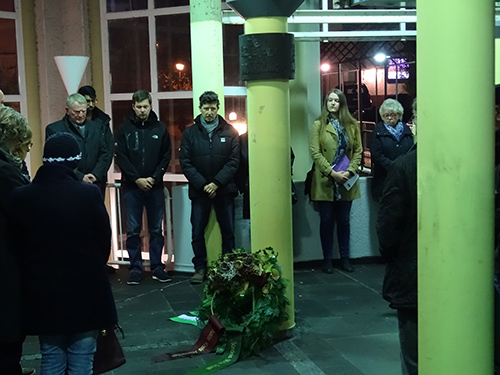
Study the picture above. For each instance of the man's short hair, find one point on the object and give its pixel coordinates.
(141, 95)
(209, 97)
(88, 90)
(79, 98)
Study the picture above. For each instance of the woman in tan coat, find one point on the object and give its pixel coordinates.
(335, 145)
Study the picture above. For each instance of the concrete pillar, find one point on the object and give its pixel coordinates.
(269, 128)
(31, 78)
(455, 186)
(208, 74)
(61, 29)
(305, 96)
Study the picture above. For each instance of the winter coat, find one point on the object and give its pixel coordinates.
(385, 148)
(61, 236)
(204, 160)
(323, 143)
(10, 313)
(397, 232)
(96, 154)
(98, 115)
(143, 150)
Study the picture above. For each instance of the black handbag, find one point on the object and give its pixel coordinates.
(109, 354)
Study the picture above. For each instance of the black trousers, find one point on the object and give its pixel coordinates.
(408, 339)
(10, 358)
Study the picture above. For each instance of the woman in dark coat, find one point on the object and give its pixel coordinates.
(391, 139)
(66, 238)
(14, 132)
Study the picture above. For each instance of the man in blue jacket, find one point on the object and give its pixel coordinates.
(209, 158)
(143, 152)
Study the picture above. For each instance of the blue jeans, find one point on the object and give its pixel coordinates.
(154, 203)
(329, 213)
(200, 213)
(68, 354)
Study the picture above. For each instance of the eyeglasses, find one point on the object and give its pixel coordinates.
(390, 114)
(28, 145)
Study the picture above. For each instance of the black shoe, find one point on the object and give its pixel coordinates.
(134, 278)
(199, 276)
(162, 276)
(110, 269)
(346, 265)
(327, 266)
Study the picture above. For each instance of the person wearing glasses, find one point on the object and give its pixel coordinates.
(96, 153)
(14, 133)
(391, 138)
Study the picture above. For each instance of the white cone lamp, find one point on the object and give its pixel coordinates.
(71, 69)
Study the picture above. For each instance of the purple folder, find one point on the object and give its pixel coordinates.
(342, 165)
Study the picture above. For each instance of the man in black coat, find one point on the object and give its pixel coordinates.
(397, 234)
(143, 152)
(96, 154)
(209, 158)
(95, 114)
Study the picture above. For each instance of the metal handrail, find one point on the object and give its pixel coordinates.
(118, 246)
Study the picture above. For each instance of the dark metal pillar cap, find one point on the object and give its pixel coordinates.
(264, 8)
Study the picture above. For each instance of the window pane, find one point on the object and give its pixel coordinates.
(13, 105)
(236, 112)
(129, 55)
(119, 112)
(126, 5)
(173, 50)
(9, 82)
(170, 3)
(231, 55)
(7, 5)
(177, 114)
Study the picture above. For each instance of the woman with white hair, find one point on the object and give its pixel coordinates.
(391, 138)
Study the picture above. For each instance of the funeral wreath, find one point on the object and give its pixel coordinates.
(246, 292)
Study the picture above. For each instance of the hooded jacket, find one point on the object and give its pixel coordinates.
(143, 150)
(204, 160)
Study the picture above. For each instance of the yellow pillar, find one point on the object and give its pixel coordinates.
(455, 186)
(208, 75)
(269, 162)
(31, 76)
(497, 61)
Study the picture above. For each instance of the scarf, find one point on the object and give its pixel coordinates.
(209, 127)
(396, 131)
(341, 149)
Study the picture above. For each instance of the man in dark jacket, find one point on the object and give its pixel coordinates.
(397, 234)
(96, 154)
(209, 158)
(143, 152)
(95, 114)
